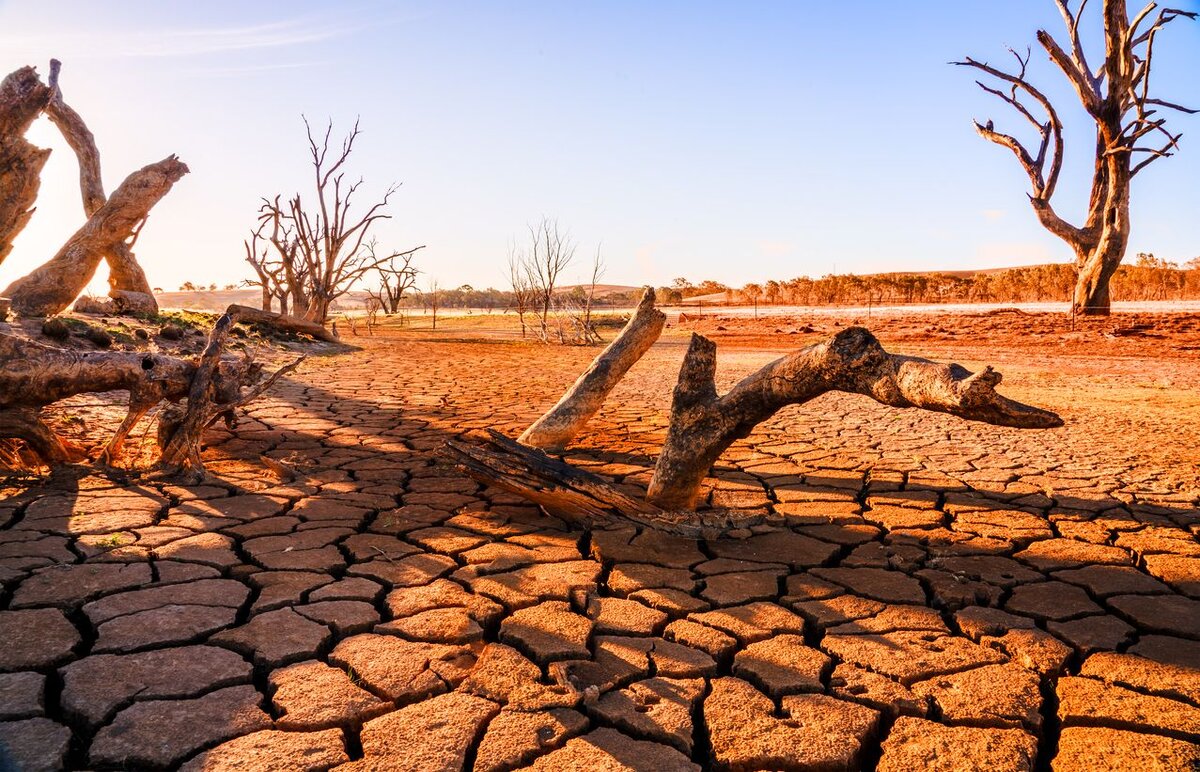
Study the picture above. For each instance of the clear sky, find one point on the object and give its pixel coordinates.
(738, 141)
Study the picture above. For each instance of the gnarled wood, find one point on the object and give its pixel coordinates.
(567, 418)
(52, 287)
(22, 98)
(213, 393)
(124, 273)
(578, 496)
(703, 424)
(33, 375)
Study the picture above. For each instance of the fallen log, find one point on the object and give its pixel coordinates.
(575, 495)
(286, 322)
(561, 423)
(703, 424)
(52, 287)
(23, 96)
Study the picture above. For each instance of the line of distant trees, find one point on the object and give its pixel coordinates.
(1148, 278)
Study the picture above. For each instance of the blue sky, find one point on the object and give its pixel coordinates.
(738, 141)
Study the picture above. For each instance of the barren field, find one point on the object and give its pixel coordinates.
(923, 593)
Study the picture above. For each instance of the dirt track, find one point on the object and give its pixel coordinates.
(935, 594)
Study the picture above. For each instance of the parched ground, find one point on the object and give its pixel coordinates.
(922, 593)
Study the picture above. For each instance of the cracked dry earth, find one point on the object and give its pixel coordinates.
(918, 592)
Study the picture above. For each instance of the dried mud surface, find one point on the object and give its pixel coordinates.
(927, 593)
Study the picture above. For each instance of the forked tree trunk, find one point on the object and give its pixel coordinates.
(563, 421)
(52, 287)
(124, 273)
(22, 98)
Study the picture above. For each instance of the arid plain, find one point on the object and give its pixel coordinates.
(916, 592)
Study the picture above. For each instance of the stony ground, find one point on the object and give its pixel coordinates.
(925, 594)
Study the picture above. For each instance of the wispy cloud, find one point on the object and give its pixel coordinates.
(993, 214)
(161, 42)
(772, 248)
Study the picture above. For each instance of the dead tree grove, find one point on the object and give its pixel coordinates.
(704, 423)
(1130, 132)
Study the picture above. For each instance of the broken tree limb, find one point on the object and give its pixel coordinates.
(52, 287)
(22, 98)
(567, 418)
(703, 424)
(248, 315)
(124, 272)
(33, 375)
(217, 389)
(575, 495)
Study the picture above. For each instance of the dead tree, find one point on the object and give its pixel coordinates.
(549, 253)
(33, 375)
(115, 224)
(523, 292)
(322, 245)
(127, 282)
(23, 96)
(1130, 133)
(395, 279)
(270, 273)
(703, 423)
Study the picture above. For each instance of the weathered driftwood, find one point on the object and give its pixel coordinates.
(285, 322)
(567, 418)
(703, 424)
(23, 96)
(33, 375)
(217, 389)
(124, 273)
(52, 287)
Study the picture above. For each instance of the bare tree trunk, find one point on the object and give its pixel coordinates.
(563, 421)
(22, 98)
(51, 288)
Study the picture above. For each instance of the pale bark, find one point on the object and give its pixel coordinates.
(52, 287)
(124, 272)
(703, 424)
(566, 419)
(22, 98)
